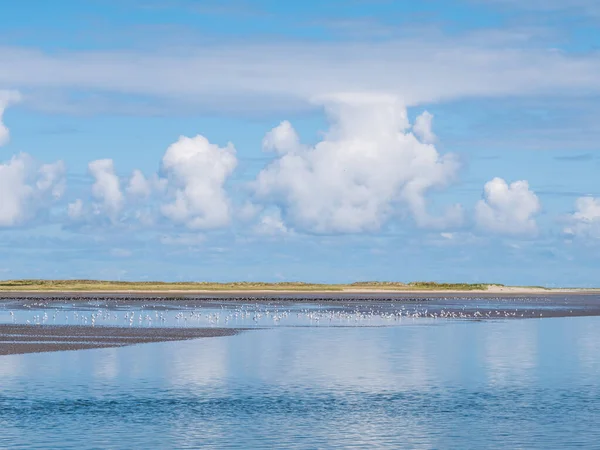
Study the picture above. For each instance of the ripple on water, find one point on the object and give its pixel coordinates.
(461, 384)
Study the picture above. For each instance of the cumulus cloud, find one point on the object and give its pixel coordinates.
(139, 185)
(585, 221)
(248, 211)
(6, 99)
(271, 224)
(106, 189)
(368, 164)
(52, 179)
(196, 171)
(508, 209)
(26, 187)
(282, 139)
(189, 191)
(369, 167)
(423, 128)
(75, 209)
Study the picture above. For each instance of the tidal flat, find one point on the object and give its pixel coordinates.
(42, 322)
(15, 339)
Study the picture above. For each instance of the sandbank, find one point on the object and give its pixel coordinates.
(19, 339)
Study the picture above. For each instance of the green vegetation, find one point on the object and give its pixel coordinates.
(108, 286)
(101, 285)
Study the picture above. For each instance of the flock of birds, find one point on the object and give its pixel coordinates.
(258, 314)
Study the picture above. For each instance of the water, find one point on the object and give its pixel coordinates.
(270, 312)
(444, 383)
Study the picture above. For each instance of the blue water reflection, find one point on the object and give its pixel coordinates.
(451, 384)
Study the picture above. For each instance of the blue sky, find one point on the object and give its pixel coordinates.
(320, 141)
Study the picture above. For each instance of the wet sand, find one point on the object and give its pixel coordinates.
(555, 304)
(18, 339)
(161, 300)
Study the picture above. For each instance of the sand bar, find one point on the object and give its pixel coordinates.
(17, 339)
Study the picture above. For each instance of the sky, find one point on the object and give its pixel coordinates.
(336, 141)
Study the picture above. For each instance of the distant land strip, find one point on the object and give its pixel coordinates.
(247, 286)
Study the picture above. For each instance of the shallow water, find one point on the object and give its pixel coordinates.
(287, 311)
(500, 383)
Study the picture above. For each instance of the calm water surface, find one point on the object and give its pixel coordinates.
(502, 383)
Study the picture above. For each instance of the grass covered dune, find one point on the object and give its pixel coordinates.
(157, 286)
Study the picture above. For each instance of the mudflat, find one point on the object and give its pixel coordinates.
(17, 339)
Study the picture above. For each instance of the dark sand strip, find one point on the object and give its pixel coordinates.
(18, 339)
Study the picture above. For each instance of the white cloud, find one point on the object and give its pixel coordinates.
(145, 216)
(52, 179)
(190, 192)
(15, 191)
(585, 221)
(271, 224)
(248, 211)
(75, 209)
(7, 98)
(106, 189)
(282, 139)
(26, 187)
(367, 164)
(196, 171)
(508, 209)
(245, 77)
(423, 128)
(139, 185)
